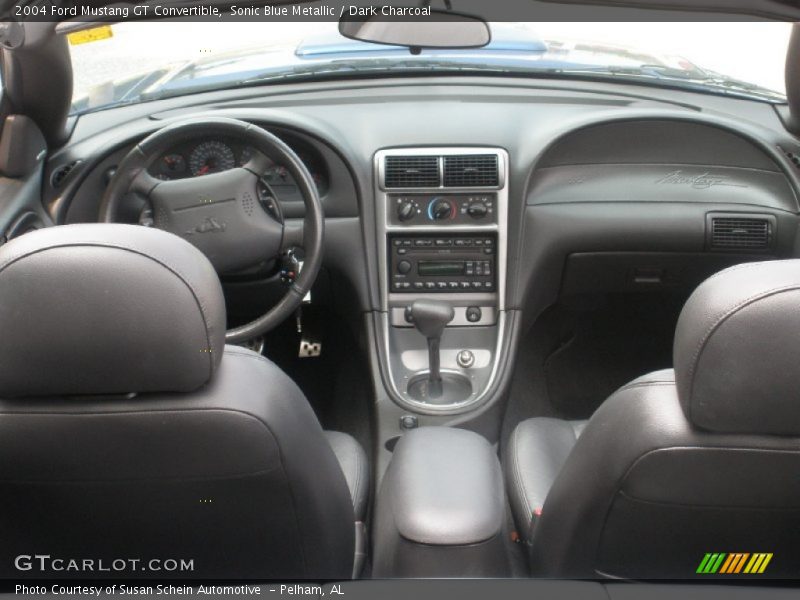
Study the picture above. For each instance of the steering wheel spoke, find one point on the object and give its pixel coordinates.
(143, 183)
(292, 236)
(258, 164)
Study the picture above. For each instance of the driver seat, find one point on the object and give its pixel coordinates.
(130, 432)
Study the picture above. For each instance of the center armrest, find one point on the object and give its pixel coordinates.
(441, 508)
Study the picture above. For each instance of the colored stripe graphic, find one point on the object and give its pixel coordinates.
(727, 564)
(711, 563)
(703, 564)
(734, 563)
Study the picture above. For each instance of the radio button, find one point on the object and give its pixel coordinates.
(442, 285)
(444, 242)
(464, 284)
(430, 285)
(423, 242)
(452, 284)
(418, 285)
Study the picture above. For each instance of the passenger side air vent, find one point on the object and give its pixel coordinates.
(61, 173)
(739, 232)
(411, 171)
(471, 170)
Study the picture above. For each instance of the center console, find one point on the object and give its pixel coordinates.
(442, 232)
(442, 345)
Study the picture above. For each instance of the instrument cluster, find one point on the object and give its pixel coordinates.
(213, 155)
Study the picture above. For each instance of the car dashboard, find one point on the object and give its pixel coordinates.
(594, 188)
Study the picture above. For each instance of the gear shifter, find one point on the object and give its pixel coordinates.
(430, 318)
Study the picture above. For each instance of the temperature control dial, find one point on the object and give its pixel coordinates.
(440, 209)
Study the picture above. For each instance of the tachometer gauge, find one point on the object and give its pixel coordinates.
(211, 157)
(171, 165)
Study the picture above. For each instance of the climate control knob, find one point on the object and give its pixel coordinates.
(406, 210)
(477, 210)
(441, 209)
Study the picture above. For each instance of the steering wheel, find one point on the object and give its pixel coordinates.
(220, 213)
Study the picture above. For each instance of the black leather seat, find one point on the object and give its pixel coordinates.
(677, 464)
(129, 430)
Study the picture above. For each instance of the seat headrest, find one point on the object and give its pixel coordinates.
(107, 309)
(737, 350)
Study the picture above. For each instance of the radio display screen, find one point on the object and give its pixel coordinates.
(440, 268)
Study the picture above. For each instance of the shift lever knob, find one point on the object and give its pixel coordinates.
(430, 317)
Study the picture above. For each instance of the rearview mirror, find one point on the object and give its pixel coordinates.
(438, 29)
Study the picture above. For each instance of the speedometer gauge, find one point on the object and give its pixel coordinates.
(211, 157)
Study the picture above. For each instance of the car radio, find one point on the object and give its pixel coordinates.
(442, 263)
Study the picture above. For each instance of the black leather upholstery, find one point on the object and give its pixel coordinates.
(355, 466)
(236, 476)
(735, 350)
(107, 309)
(664, 472)
(537, 450)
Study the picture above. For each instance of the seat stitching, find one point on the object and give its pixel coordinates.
(522, 491)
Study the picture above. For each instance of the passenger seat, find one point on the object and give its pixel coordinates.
(679, 463)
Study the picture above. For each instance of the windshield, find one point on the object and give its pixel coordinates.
(135, 62)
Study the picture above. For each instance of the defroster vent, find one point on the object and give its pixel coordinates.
(471, 170)
(737, 232)
(411, 171)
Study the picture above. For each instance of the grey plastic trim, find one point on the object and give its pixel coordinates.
(390, 302)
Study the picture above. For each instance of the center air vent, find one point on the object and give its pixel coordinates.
(411, 171)
(739, 232)
(471, 170)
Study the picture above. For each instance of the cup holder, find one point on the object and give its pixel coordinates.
(456, 388)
